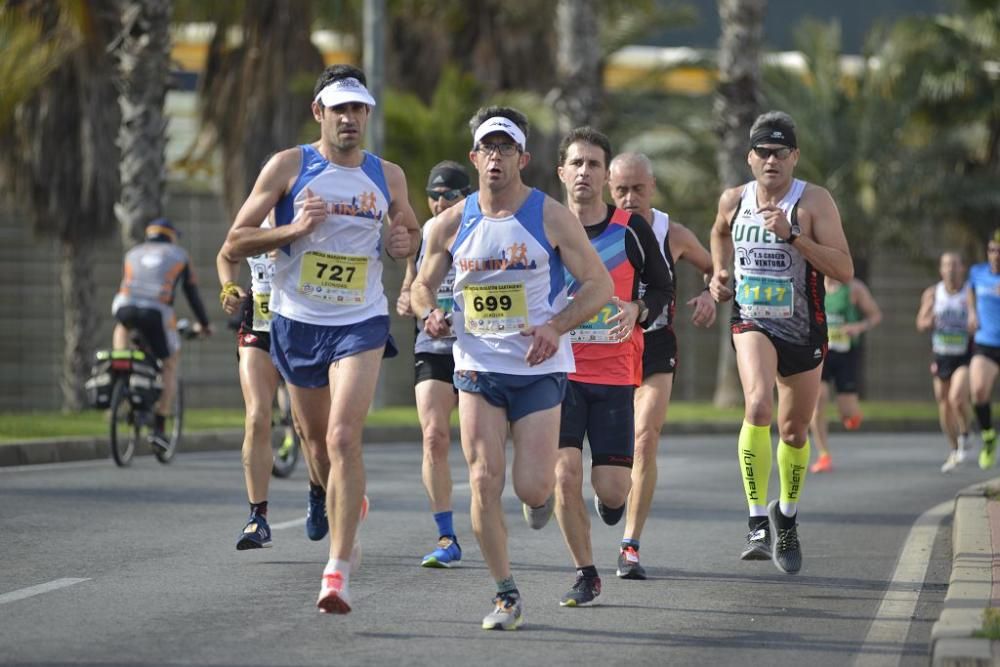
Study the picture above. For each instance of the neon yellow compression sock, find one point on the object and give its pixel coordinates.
(793, 463)
(755, 465)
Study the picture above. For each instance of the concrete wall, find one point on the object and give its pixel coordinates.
(31, 321)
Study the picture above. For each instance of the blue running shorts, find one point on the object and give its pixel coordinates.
(303, 353)
(521, 395)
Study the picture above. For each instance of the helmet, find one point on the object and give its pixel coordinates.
(161, 229)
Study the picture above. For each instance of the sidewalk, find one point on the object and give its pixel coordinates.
(974, 585)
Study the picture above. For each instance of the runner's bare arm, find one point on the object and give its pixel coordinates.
(973, 321)
(690, 249)
(565, 232)
(825, 246)
(403, 236)
(863, 299)
(245, 237)
(403, 302)
(721, 245)
(925, 315)
(433, 269)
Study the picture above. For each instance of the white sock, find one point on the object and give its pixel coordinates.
(788, 509)
(342, 566)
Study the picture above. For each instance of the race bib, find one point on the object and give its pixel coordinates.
(763, 297)
(950, 343)
(261, 312)
(597, 329)
(837, 340)
(333, 278)
(495, 308)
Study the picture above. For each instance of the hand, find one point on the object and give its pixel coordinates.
(704, 309)
(544, 343)
(719, 287)
(626, 317)
(312, 213)
(775, 220)
(398, 240)
(437, 324)
(231, 302)
(403, 304)
(853, 329)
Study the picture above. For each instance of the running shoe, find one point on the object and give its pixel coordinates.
(584, 592)
(256, 534)
(787, 555)
(758, 546)
(448, 554)
(507, 614)
(823, 464)
(988, 454)
(609, 515)
(317, 525)
(951, 462)
(159, 440)
(333, 599)
(852, 423)
(628, 564)
(537, 517)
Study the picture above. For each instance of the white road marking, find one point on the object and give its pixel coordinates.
(887, 635)
(301, 521)
(31, 591)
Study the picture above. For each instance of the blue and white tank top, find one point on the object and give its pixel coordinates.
(333, 276)
(507, 277)
(777, 290)
(445, 301)
(951, 317)
(986, 286)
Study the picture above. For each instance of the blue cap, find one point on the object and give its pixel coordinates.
(161, 227)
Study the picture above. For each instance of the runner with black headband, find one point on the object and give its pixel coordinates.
(434, 368)
(784, 236)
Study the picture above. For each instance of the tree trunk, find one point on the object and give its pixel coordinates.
(144, 64)
(736, 107)
(578, 64)
(80, 320)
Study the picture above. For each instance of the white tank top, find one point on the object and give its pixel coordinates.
(333, 276)
(951, 312)
(507, 277)
(445, 301)
(261, 272)
(776, 289)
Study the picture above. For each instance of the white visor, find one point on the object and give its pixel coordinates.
(499, 124)
(346, 90)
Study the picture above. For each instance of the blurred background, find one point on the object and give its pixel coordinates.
(114, 112)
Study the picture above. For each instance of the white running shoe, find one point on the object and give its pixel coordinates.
(951, 462)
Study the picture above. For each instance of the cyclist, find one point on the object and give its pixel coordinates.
(145, 303)
(434, 368)
(259, 380)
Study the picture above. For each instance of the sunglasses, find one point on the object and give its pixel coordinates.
(450, 195)
(764, 153)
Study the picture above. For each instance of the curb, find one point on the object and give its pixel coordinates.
(970, 586)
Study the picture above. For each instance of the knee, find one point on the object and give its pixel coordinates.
(613, 492)
(758, 410)
(344, 442)
(258, 423)
(485, 482)
(644, 459)
(437, 441)
(793, 432)
(569, 480)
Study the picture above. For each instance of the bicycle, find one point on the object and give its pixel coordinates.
(285, 441)
(128, 383)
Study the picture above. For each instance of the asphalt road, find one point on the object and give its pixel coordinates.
(137, 566)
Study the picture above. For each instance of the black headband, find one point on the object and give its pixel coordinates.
(772, 134)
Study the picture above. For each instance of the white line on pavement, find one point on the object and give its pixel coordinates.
(301, 521)
(887, 635)
(31, 591)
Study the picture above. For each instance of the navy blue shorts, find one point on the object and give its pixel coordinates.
(603, 413)
(521, 395)
(303, 353)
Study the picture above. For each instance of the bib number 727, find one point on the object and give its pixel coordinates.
(334, 278)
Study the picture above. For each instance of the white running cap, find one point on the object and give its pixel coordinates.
(499, 124)
(345, 90)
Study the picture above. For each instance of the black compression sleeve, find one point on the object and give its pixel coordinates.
(644, 254)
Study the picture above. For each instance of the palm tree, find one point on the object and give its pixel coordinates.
(737, 103)
(144, 61)
(71, 120)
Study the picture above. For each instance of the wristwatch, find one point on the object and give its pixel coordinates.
(792, 235)
(643, 310)
(427, 314)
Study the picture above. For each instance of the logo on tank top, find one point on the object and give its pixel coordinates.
(364, 205)
(764, 259)
(512, 258)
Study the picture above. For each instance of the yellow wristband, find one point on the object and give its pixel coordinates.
(229, 289)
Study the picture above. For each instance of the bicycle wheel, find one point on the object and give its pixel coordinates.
(124, 425)
(173, 426)
(284, 438)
